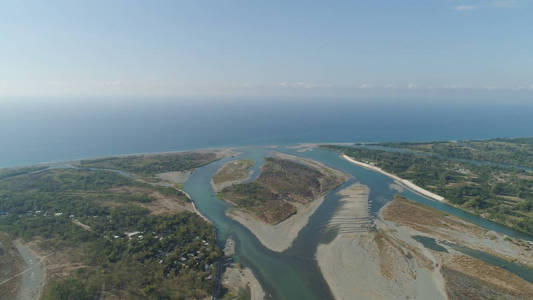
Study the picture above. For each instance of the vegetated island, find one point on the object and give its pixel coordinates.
(280, 201)
(90, 232)
(501, 193)
(413, 251)
(233, 172)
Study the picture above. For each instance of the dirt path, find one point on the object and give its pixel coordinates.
(32, 278)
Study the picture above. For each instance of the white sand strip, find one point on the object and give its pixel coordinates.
(408, 184)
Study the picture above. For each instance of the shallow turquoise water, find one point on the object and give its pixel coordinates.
(294, 273)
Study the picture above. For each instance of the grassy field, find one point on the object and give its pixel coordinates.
(501, 194)
(282, 183)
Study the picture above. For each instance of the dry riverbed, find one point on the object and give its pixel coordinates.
(386, 262)
(361, 263)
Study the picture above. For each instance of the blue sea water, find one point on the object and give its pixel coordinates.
(41, 130)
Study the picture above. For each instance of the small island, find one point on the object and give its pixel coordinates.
(279, 202)
(233, 172)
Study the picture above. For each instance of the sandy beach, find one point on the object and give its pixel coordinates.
(408, 184)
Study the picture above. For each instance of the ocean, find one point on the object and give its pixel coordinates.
(46, 130)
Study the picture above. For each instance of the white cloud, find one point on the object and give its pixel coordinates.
(464, 7)
(364, 86)
(411, 86)
(304, 85)
(114, 83)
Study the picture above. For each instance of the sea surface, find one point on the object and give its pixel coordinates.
(45, 130)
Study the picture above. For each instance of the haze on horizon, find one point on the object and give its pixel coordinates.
(273, 48)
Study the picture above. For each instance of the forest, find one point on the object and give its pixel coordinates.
(507, 151)
(499, 193)
(126, 251)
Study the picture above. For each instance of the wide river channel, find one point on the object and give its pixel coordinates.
(294, 273)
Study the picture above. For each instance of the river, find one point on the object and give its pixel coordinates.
(294, 273)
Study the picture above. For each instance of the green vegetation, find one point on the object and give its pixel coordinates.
(151, 164)
(126, 251)
(233, 170)
(501, 194)
(11, 172)
(509, 151)
(282, 183)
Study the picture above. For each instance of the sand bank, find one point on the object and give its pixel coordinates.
(367, 264)
(465, 277)
(236, 278)
(408, 184)
(173, 178)
(277, 237)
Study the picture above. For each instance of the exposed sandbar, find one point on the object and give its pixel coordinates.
(361, 263)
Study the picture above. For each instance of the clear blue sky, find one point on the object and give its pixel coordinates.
(112, 47)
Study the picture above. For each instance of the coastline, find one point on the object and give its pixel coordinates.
(408, 184)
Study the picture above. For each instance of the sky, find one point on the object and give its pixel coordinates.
(266, 48)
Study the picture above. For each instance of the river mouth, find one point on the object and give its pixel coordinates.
(294, 273)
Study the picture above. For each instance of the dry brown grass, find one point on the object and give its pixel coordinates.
(424, 219)
(467, 277)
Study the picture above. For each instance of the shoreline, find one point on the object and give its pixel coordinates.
(406, 183)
